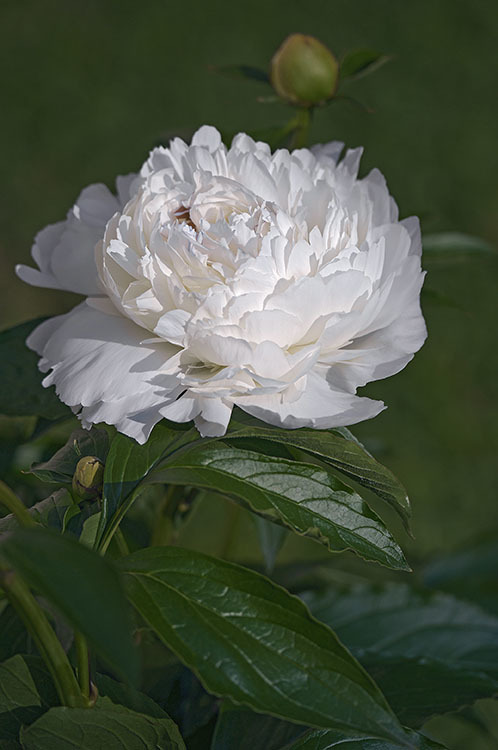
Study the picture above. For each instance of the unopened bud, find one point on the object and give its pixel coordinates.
(88, 478)
(304, 71)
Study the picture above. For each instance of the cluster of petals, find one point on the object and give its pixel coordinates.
(275, 282)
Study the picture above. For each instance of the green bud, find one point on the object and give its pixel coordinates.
(88, 478)
(304, 71)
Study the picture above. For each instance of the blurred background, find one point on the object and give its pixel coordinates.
(88, 88)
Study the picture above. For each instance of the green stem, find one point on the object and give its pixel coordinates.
(121, 543)
(44, 637)
(116, 520)
(83, 663)
(15, 506)
(303, 124)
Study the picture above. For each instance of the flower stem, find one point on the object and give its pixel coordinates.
(83, 663)
(303, 123)
(10, 500)
(38, 626)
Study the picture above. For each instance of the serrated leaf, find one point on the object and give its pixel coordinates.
(345, 455)
(306, 498)
(82, 585)
(21, 391)
(129, 463)
(251, 641)
(111, 727)
(62, 465)
(320, 740)
(446, 650)
(361, 62)
(245, 730)
(446, 245)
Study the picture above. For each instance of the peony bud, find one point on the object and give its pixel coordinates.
(88, 478)
(304, 71)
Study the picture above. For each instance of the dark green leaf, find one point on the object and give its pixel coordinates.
(397, 619)
(428, 652)
(129, 463)
(127, 696)
(21, 391)
(20, 702)
(320, 740)
(110, 727)
(53, 513)
(306, 498)
(361, 62)
(251, 641)
(345, 455)
(82, 585)
(242, 71)
(418, 688)
(245, 730)
(451, 245)
(61, 467)
(13, 639)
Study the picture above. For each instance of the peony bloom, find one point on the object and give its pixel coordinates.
(216, 277)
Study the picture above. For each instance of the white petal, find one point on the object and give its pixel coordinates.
(320, 406)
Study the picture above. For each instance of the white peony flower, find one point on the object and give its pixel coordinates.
(279, 283)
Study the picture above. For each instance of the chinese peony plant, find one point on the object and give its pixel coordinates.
(233, 301)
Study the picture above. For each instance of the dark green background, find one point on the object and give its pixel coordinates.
(89, 87)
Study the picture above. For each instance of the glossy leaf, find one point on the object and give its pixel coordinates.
(21, 391)
(454, 244)
(320, 740)
(129, 463)
(345, 455)
(82, 585)
(361, 62)
(251, 641)
(61, 467)
(106, 726)
(245, 730)
(306, 498)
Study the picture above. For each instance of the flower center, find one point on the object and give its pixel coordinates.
(182, 215)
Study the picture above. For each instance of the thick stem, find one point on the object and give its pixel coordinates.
(10, 500)
(45, 639)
